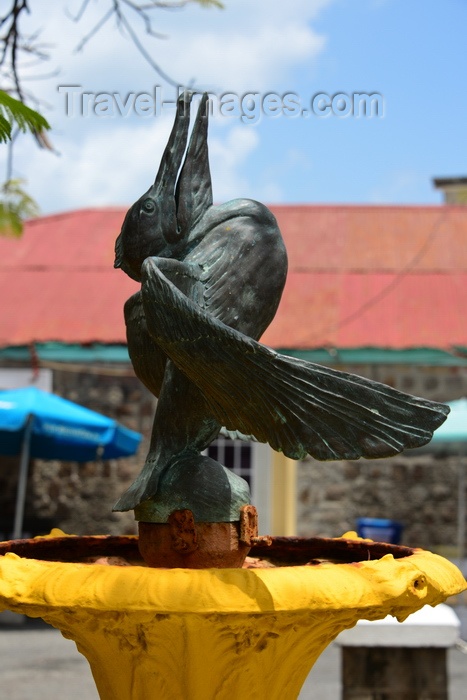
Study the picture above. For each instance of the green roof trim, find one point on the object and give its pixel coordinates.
(380, 356)
(118, 354)
(62, 352)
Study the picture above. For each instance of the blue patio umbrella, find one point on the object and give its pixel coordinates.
(34, 423)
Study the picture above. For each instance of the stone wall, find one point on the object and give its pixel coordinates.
(419, 491)
(435, 383)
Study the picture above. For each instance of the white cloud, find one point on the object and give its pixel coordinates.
(249, 46)
(246, 46)
(117, 165)
(228, 158)
(259, 58)
(104, 167)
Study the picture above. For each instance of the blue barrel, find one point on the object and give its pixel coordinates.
(380, 530)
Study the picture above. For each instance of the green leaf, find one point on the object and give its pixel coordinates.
(5, 129)
(15, 206)
(208, 3)
(14, 112)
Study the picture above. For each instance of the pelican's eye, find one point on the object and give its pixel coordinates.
(148, 206)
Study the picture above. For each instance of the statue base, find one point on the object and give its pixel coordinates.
(184, 543)
(206, 545)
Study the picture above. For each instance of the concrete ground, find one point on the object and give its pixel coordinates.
(37, 663)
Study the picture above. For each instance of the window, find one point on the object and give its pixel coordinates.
(233, 454)
(251, 461)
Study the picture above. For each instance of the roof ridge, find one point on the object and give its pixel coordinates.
(74, 212)
(367, 206)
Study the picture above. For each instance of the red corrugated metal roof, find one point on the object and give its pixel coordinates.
(373, 276)
(350, 310)
(58, 283)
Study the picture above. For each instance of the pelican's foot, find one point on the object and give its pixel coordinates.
(197, 483)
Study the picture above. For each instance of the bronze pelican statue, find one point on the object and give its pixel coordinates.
(211, 281)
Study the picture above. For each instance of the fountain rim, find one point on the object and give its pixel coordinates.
(283, 551)
(397, 586)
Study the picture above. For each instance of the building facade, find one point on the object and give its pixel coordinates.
(379, 291)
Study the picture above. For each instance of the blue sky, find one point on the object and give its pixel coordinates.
(412, 52)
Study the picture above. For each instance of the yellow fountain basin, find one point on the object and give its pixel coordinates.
(218, 633)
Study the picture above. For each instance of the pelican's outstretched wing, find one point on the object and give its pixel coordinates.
(297, 407)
